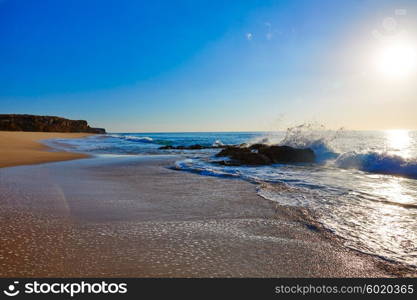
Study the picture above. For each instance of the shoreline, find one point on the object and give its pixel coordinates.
(135, 217)
(25, 148)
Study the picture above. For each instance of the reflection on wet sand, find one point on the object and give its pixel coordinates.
(84, 219)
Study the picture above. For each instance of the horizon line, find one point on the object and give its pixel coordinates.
(255, 131)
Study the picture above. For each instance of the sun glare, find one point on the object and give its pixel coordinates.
(398, 141)
(397, 59)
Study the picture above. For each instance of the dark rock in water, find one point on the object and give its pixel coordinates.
(45, 124)
(230, 163)
(286, 154)
(257, 154)
(243, 155)
(257, 146)
(192, 147)
(261, 154)
(231, 151)
(195, 147)
(168, 147)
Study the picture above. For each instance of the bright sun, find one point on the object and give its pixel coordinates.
(397, 59)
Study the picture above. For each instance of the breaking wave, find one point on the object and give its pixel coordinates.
(319, 139)
(374, 162)
(315, 137)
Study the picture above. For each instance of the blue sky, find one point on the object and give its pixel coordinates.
(200, 65)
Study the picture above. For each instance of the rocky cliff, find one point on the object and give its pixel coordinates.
(46, 124)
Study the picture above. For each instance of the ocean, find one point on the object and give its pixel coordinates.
(363, 186)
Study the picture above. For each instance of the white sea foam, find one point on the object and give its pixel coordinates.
(143, 139)
(217, 143)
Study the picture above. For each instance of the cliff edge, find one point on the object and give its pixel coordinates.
(12, 122)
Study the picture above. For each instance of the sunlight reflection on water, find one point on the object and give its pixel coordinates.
(398, 142)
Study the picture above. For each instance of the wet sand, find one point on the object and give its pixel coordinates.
(25, 148)
(134, 217)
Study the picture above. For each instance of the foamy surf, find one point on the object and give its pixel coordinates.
(361, 186)
(143, 139)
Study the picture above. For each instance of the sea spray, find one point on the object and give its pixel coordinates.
(308, 135)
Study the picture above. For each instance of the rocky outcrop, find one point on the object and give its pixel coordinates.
(256, 154)
(261, 154)
(192, 147)
(45, 124)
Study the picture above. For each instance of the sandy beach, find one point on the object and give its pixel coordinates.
(133, 216)
(25, 148)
